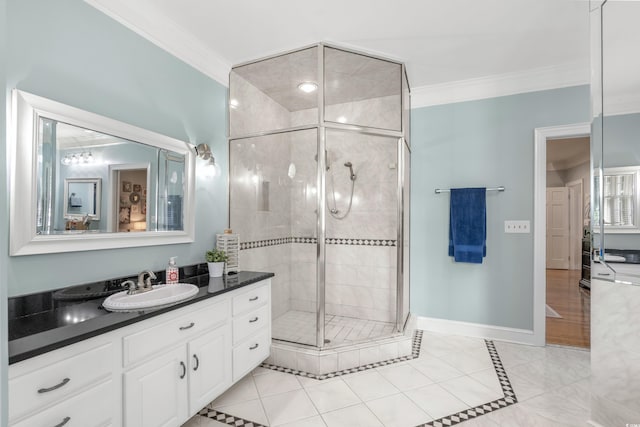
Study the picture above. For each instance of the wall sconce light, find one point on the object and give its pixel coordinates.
(204, 152)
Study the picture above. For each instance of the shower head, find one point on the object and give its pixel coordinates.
(351, 174)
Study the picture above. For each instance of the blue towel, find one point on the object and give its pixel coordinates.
(468, 225)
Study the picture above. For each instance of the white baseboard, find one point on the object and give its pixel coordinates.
(455, 327)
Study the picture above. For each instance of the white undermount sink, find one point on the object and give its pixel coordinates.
(158, 296)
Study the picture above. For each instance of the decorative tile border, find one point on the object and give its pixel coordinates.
(360, 242)
(314, 240)
(227, 419)
(509, 396)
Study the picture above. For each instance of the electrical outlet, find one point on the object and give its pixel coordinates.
(517, 227)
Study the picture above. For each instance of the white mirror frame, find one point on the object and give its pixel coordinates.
(24, 114)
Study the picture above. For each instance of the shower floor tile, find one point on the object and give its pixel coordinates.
(300, 327)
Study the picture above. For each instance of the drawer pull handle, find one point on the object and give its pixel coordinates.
(184, 370)
(184, 328)
(55, 387)
(253, 347)
(255, 319)
(253, 299)
(604, 274)
(195, 357)
(63, 422)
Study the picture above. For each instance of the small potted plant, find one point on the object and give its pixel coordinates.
(215, 261)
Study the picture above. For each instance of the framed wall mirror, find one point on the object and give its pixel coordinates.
(82, 199)
(77, 174)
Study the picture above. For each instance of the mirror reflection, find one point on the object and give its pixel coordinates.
(616, 128)
(81, 202)
(93, 182)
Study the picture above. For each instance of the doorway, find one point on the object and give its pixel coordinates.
(568, 304)
(562, 177)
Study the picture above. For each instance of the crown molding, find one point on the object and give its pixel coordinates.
(533, 80)
(162, 32)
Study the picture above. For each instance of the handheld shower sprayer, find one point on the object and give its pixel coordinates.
(351, 174)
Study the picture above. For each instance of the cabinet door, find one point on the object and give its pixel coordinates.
(155, 393)
(210, 367)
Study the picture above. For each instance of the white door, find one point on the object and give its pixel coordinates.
(155, 394)
(558, 228)
(576, 220)
(210, 367)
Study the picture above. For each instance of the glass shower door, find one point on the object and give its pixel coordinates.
(273, 203)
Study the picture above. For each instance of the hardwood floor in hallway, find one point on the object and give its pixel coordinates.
(573, 304)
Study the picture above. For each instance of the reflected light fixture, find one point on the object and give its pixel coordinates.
(342, 119)
(233, 103)
(308, 87)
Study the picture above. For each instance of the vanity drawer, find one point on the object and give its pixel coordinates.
(93, 408)
(248, 354)
(46, 385)
(249, 323)
(251, 299)
(149, 341)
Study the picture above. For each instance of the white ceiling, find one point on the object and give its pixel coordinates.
(439, 41)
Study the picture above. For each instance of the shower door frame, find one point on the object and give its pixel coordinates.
(402, 312)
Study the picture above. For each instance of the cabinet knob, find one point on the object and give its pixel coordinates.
(55, 387)
(255, 319)
(195, 357)
(63, 422)
(253, 347)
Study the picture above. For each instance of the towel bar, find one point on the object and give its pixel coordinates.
(439, 190)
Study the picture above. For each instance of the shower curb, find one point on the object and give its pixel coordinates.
(509, 396)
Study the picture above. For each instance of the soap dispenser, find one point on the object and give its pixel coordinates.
(173, 272)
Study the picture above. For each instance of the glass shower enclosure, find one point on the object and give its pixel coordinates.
(319, 169)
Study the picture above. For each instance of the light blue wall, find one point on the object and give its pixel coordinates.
(472, 144)
(68, 51)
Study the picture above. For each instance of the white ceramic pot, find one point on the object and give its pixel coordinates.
(216, 269)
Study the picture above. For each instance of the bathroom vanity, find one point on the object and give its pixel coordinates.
(148, 368)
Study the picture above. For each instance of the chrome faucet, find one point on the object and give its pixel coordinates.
(143, 284)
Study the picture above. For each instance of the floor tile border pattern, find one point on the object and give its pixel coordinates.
(314, 240)
(509, 396)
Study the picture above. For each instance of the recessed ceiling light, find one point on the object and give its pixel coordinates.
(308, 87)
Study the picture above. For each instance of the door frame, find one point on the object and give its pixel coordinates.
(540, 221)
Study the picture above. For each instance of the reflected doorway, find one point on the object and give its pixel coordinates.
(129, 189)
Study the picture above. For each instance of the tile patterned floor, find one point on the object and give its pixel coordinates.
(300, 327)
(452, 375)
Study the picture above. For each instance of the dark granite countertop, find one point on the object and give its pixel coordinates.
(61, 324)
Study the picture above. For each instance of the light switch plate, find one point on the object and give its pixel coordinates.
(517, 227)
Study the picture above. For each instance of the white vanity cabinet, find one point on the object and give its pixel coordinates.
(156, 372)
(165, 390)
(73, 386)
